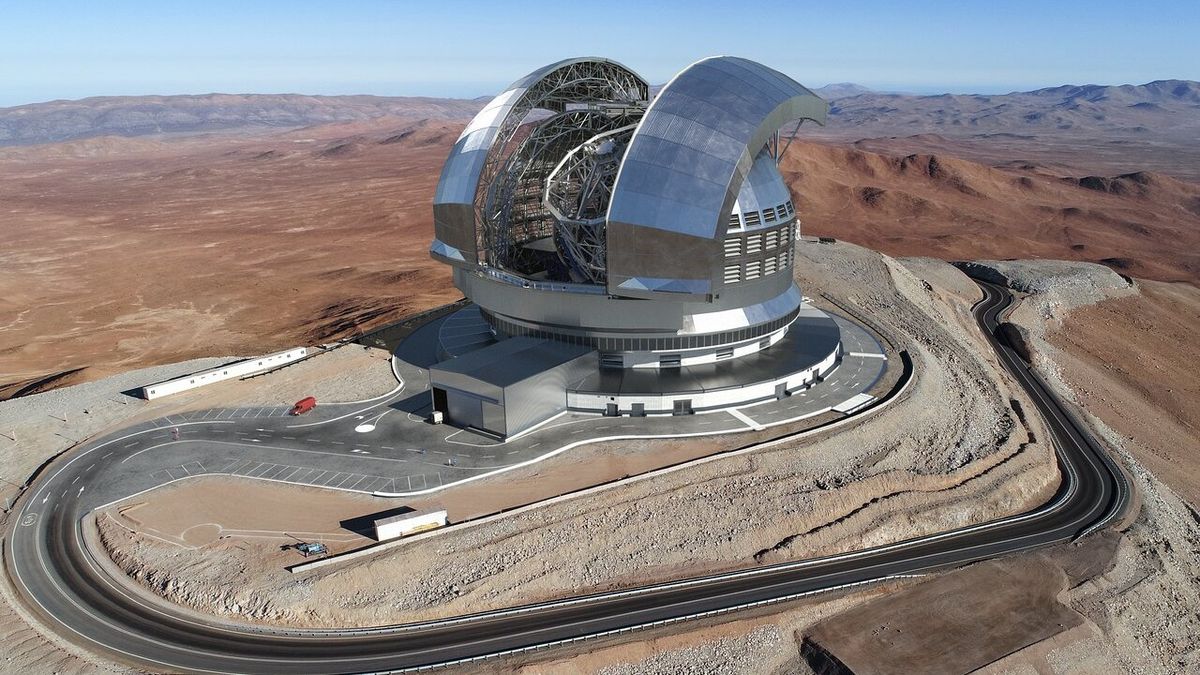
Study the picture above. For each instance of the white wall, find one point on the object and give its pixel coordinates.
(226, 372)
(723, 398)
(398, 526)
(700, 355)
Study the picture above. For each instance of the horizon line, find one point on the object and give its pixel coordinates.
(921, 91)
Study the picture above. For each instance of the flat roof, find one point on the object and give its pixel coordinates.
(400, 517)
(510, 361)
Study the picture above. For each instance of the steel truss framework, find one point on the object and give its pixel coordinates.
(577, 194)
(577, 82)
(514, 212)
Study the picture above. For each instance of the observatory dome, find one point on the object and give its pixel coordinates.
(576, 207)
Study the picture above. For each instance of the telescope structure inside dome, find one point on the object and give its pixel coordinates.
(654, 234)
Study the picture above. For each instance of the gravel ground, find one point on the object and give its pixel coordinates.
(1145, 607)
(1055, 286)
(348, 373)
(724, 656)
(1141, 613)
(953, 451)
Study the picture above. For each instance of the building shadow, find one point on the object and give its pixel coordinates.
(365, 525)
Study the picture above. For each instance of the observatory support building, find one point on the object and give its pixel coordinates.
(625, 255)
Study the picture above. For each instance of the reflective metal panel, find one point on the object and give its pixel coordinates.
(685, 167)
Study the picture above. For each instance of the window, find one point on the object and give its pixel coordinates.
(733, 274)
(669, 361)
(752, 218)
(753, 269)
(735, 221)
(612, 361)
(733, 248)
(764, 343)
(769, 214)
(726, 353)
(754, 244)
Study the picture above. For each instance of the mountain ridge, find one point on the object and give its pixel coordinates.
(1127, 108)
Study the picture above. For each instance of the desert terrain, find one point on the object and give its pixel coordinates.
(151, 248)
(230, 235)
(872, 484)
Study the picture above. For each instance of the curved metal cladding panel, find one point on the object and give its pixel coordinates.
(454, 201)
(684, 168)
(763, 187)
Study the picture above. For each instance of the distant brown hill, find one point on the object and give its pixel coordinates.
(1165, 109)
(1124, 110)
(1144, 223)
(148, 115)
(1074, 129)
(243, 243)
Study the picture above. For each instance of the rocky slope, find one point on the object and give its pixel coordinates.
(1142, 605)
(956, 449)
(1139, 610)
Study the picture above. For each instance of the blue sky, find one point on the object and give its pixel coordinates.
(51, 50)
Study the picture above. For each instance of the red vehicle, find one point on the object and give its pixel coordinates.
(303, 405)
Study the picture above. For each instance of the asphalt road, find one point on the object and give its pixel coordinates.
(52, 570)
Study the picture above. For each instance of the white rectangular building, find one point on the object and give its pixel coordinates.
(227, 372)
(409, 523)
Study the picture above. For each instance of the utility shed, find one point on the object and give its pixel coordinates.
(511, 385)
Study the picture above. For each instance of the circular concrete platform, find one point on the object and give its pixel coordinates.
(811, 347)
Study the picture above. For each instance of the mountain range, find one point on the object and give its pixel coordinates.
(1170, 107)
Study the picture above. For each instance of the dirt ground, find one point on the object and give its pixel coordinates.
(242, 244)
(1137, 591)
(124, 253)
(1132, 362)
(196, 512)
(964, 452)
(956, 624)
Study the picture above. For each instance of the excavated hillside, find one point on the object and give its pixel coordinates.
(956, 449)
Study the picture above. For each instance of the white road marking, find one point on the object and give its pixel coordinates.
(746, 418)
